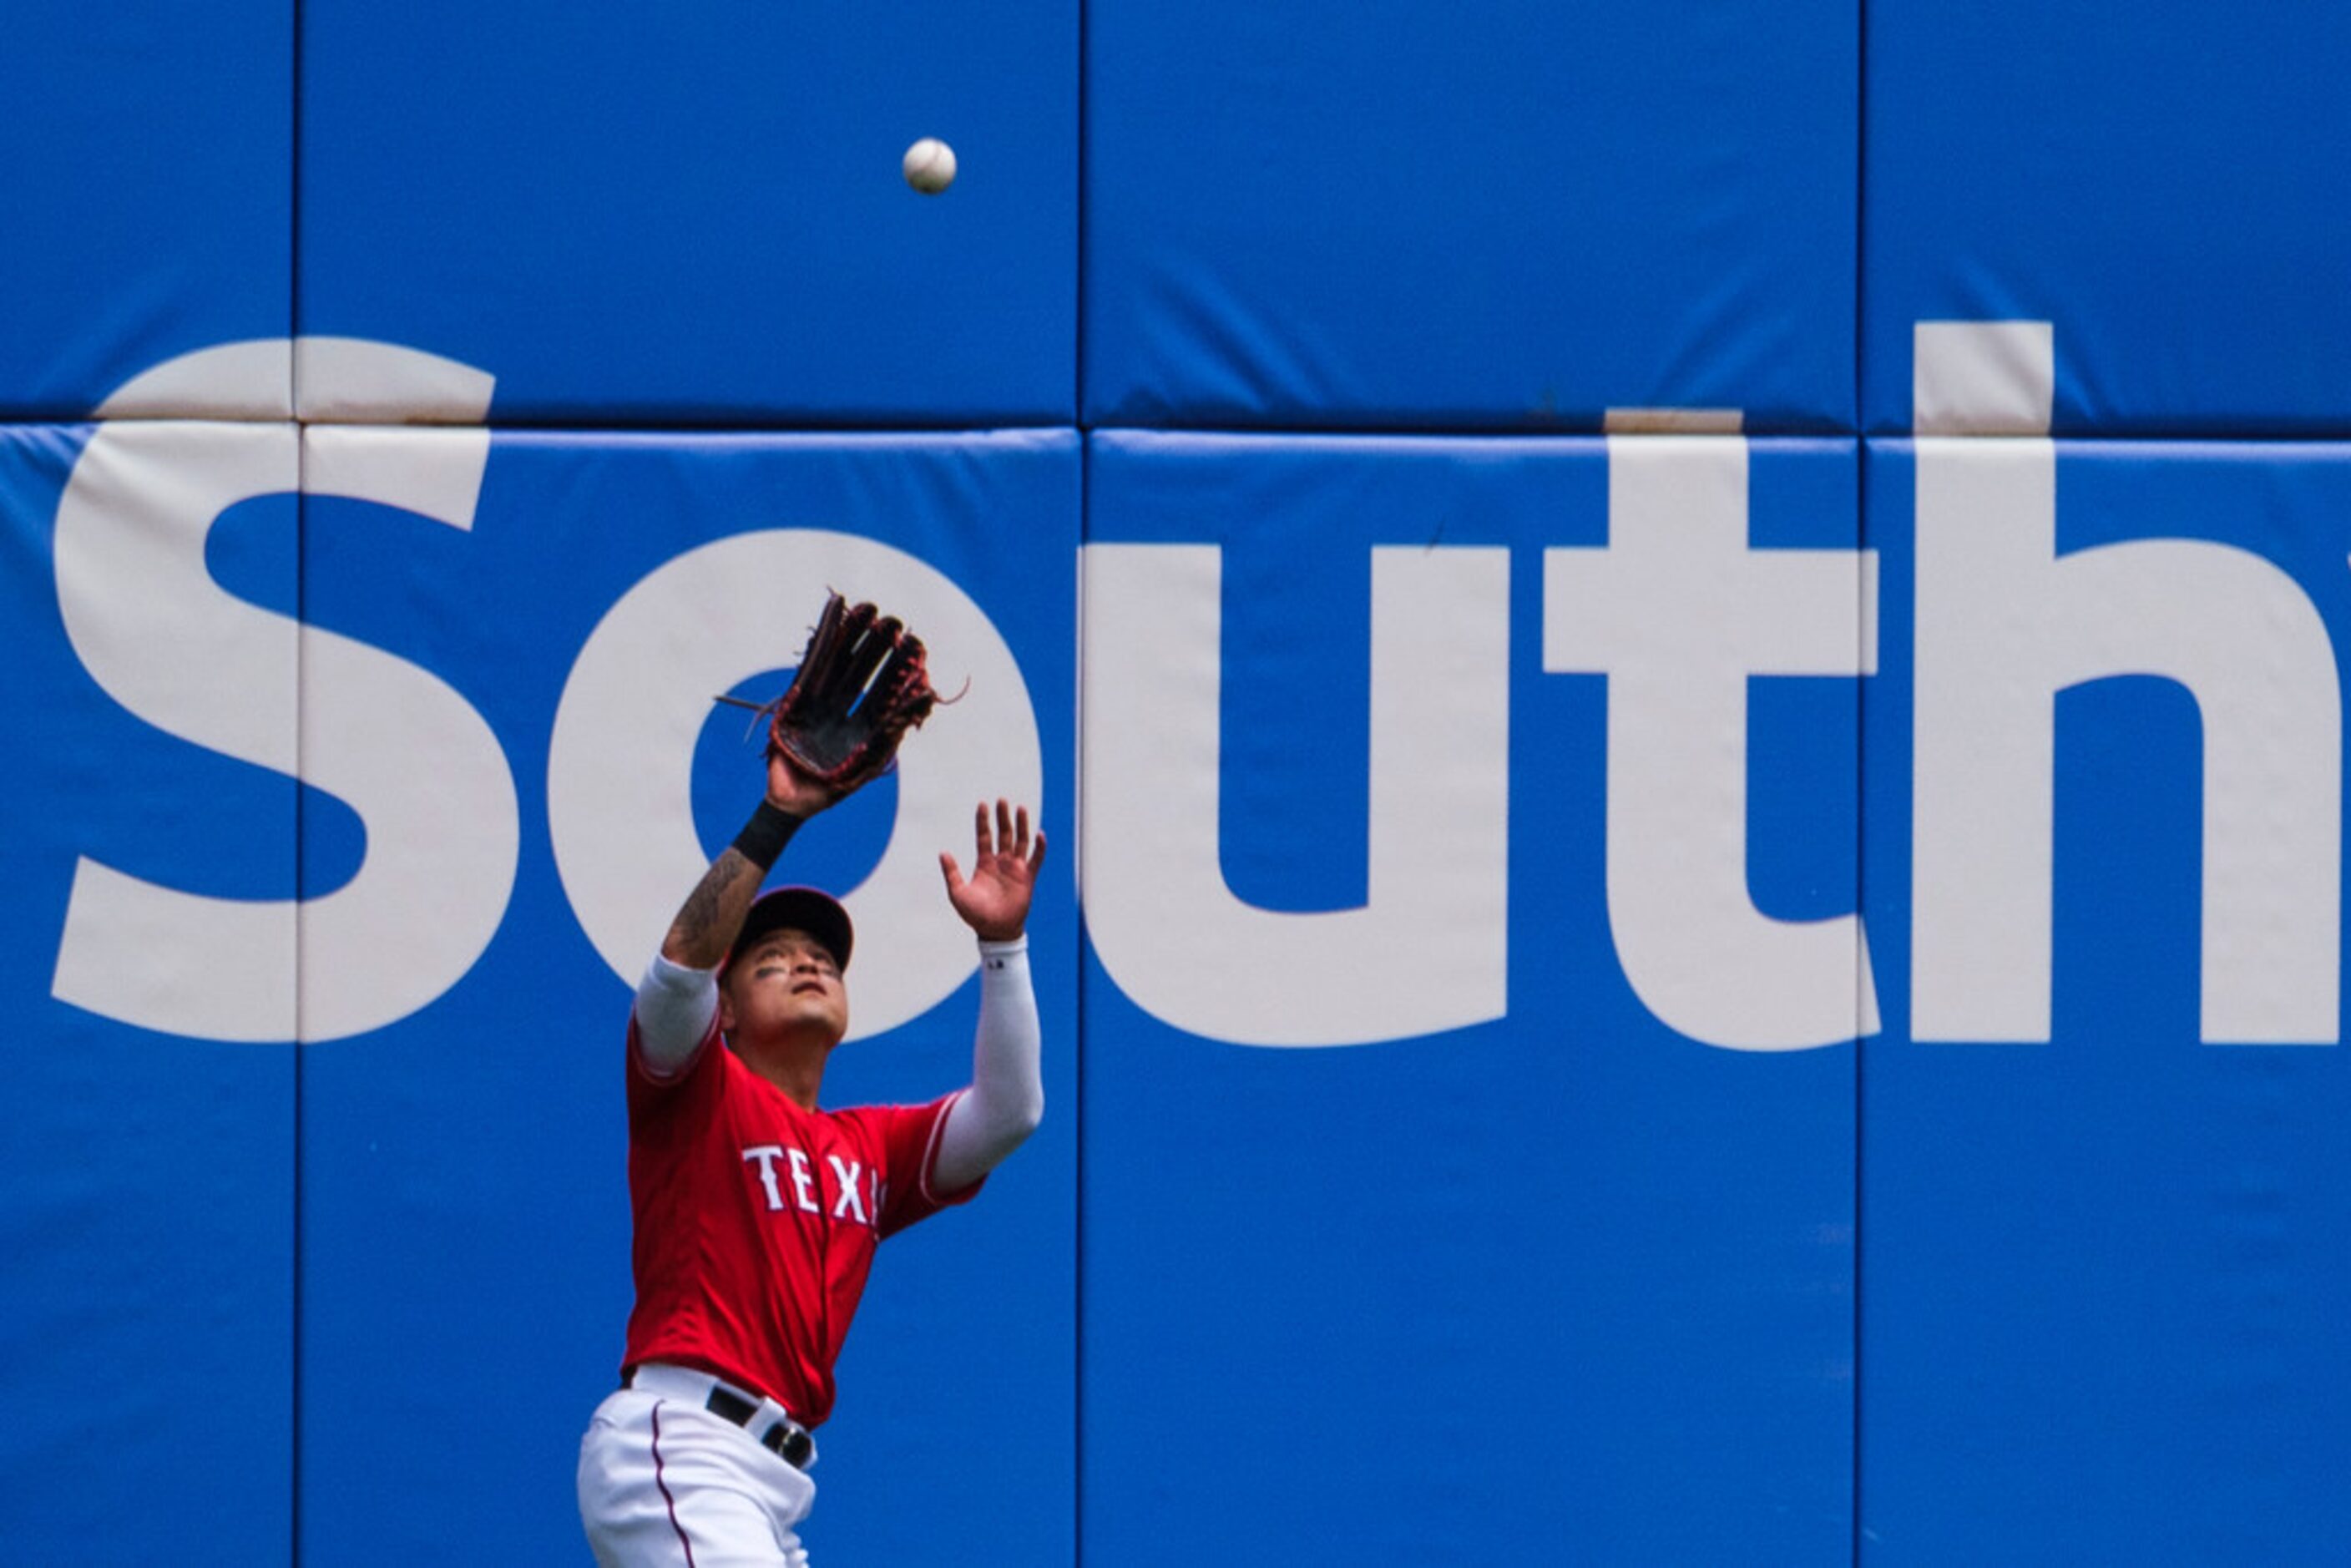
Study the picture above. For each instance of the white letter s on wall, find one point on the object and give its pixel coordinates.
(162, 638)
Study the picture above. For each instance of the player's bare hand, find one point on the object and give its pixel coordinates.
(994, 901)
(790, 790)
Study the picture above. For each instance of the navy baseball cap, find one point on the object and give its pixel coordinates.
(805, 909)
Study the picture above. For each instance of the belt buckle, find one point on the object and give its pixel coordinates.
(790, 1442)
(787, 1439)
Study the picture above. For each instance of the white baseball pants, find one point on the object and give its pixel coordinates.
(663, 1483)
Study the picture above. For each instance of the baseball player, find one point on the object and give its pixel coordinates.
(757, 1213)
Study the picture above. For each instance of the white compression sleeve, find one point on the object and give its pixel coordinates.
(675, 1008)
(1006, 1097)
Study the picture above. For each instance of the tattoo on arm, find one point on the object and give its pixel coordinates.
(713, 913)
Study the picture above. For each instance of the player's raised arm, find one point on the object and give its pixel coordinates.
(678, 996)
(1006, 1097)
(862, 683)
(712, 915)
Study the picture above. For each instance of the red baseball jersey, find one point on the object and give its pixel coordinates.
(757, 1221)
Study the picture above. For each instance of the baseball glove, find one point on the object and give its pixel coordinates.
(863, 683)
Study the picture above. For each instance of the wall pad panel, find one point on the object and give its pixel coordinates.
(2104, 1184)
(1421, 1160)
(696, 216)
(147, 1328)
(2166, 189)
(150, 151)
(1506, 215)
(534, 662)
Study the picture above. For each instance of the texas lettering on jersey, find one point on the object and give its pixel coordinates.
(839, 1188)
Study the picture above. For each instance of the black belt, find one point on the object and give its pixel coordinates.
(787, 1439)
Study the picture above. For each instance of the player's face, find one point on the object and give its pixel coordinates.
(788, 981)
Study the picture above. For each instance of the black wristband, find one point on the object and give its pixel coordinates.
(763, 838)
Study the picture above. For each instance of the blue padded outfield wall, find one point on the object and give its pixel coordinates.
(1685, 665)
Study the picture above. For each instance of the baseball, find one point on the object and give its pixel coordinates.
(930, 165)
